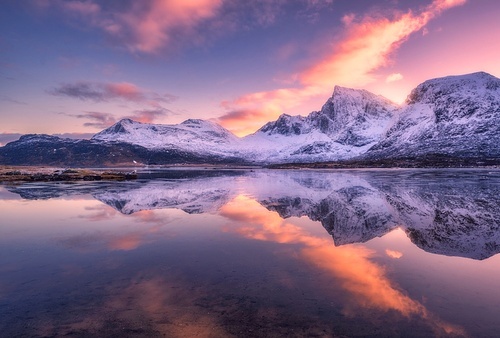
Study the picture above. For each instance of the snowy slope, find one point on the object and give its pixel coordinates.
(455, 115)
(349, 123)
(193, 196)
(193, 135)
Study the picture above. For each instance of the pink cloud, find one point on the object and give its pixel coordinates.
(124, 90)
(100, 120)
(394, 77)
(82, 8)
(148, 115)
(393, 253)
(242, 122)
(366, 45)
(155, 26)
(102, 92)
(146, 26)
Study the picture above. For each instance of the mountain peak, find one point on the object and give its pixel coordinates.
(127, 121)
(119, 127)
(285, 125)
(339, 90)
(474, 84)
(194, 121)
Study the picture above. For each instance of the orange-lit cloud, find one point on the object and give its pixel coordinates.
(393, 253)
(126, 242)
(146, 26)
(258, 108)
(394, 77)
(366, 45)
(365, 280)
(155, 26)
(152, 223)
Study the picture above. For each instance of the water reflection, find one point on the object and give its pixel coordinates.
(244, 255)
(365, 280)
(451, 213)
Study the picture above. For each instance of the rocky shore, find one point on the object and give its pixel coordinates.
(42, 174)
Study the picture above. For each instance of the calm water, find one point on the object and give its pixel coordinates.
(395, 253)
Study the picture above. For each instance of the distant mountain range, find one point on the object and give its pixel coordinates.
(446, 121)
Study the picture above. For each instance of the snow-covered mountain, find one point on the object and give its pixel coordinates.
(455, 116)
(206, 198)
(348, 124)
(193, 135)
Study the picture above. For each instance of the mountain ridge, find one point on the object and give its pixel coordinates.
(454, 117)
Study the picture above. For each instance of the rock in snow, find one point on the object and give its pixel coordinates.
(455, 116)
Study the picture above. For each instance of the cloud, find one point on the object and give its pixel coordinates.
(11, 100)
(394, 77)
(97, 119)
(154, 26)
(102, 120)
(142, 26)
(82, 7)
(243, 122)
(149, 115)
(352, 266)
(102, 92)
(393, 253)
(366, 45)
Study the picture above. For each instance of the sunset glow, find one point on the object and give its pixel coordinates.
(87, 64)
(352, 265)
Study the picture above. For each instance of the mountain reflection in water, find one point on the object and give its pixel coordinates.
(180, 262)
(454, 213)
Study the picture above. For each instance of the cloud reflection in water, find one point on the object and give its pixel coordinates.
(351, 264)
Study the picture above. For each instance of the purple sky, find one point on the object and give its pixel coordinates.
(79, 66)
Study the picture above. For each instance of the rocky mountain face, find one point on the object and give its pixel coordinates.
(349, 117)
(456, 117)
(349, 123)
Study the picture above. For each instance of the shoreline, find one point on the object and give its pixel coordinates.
(56, 174)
